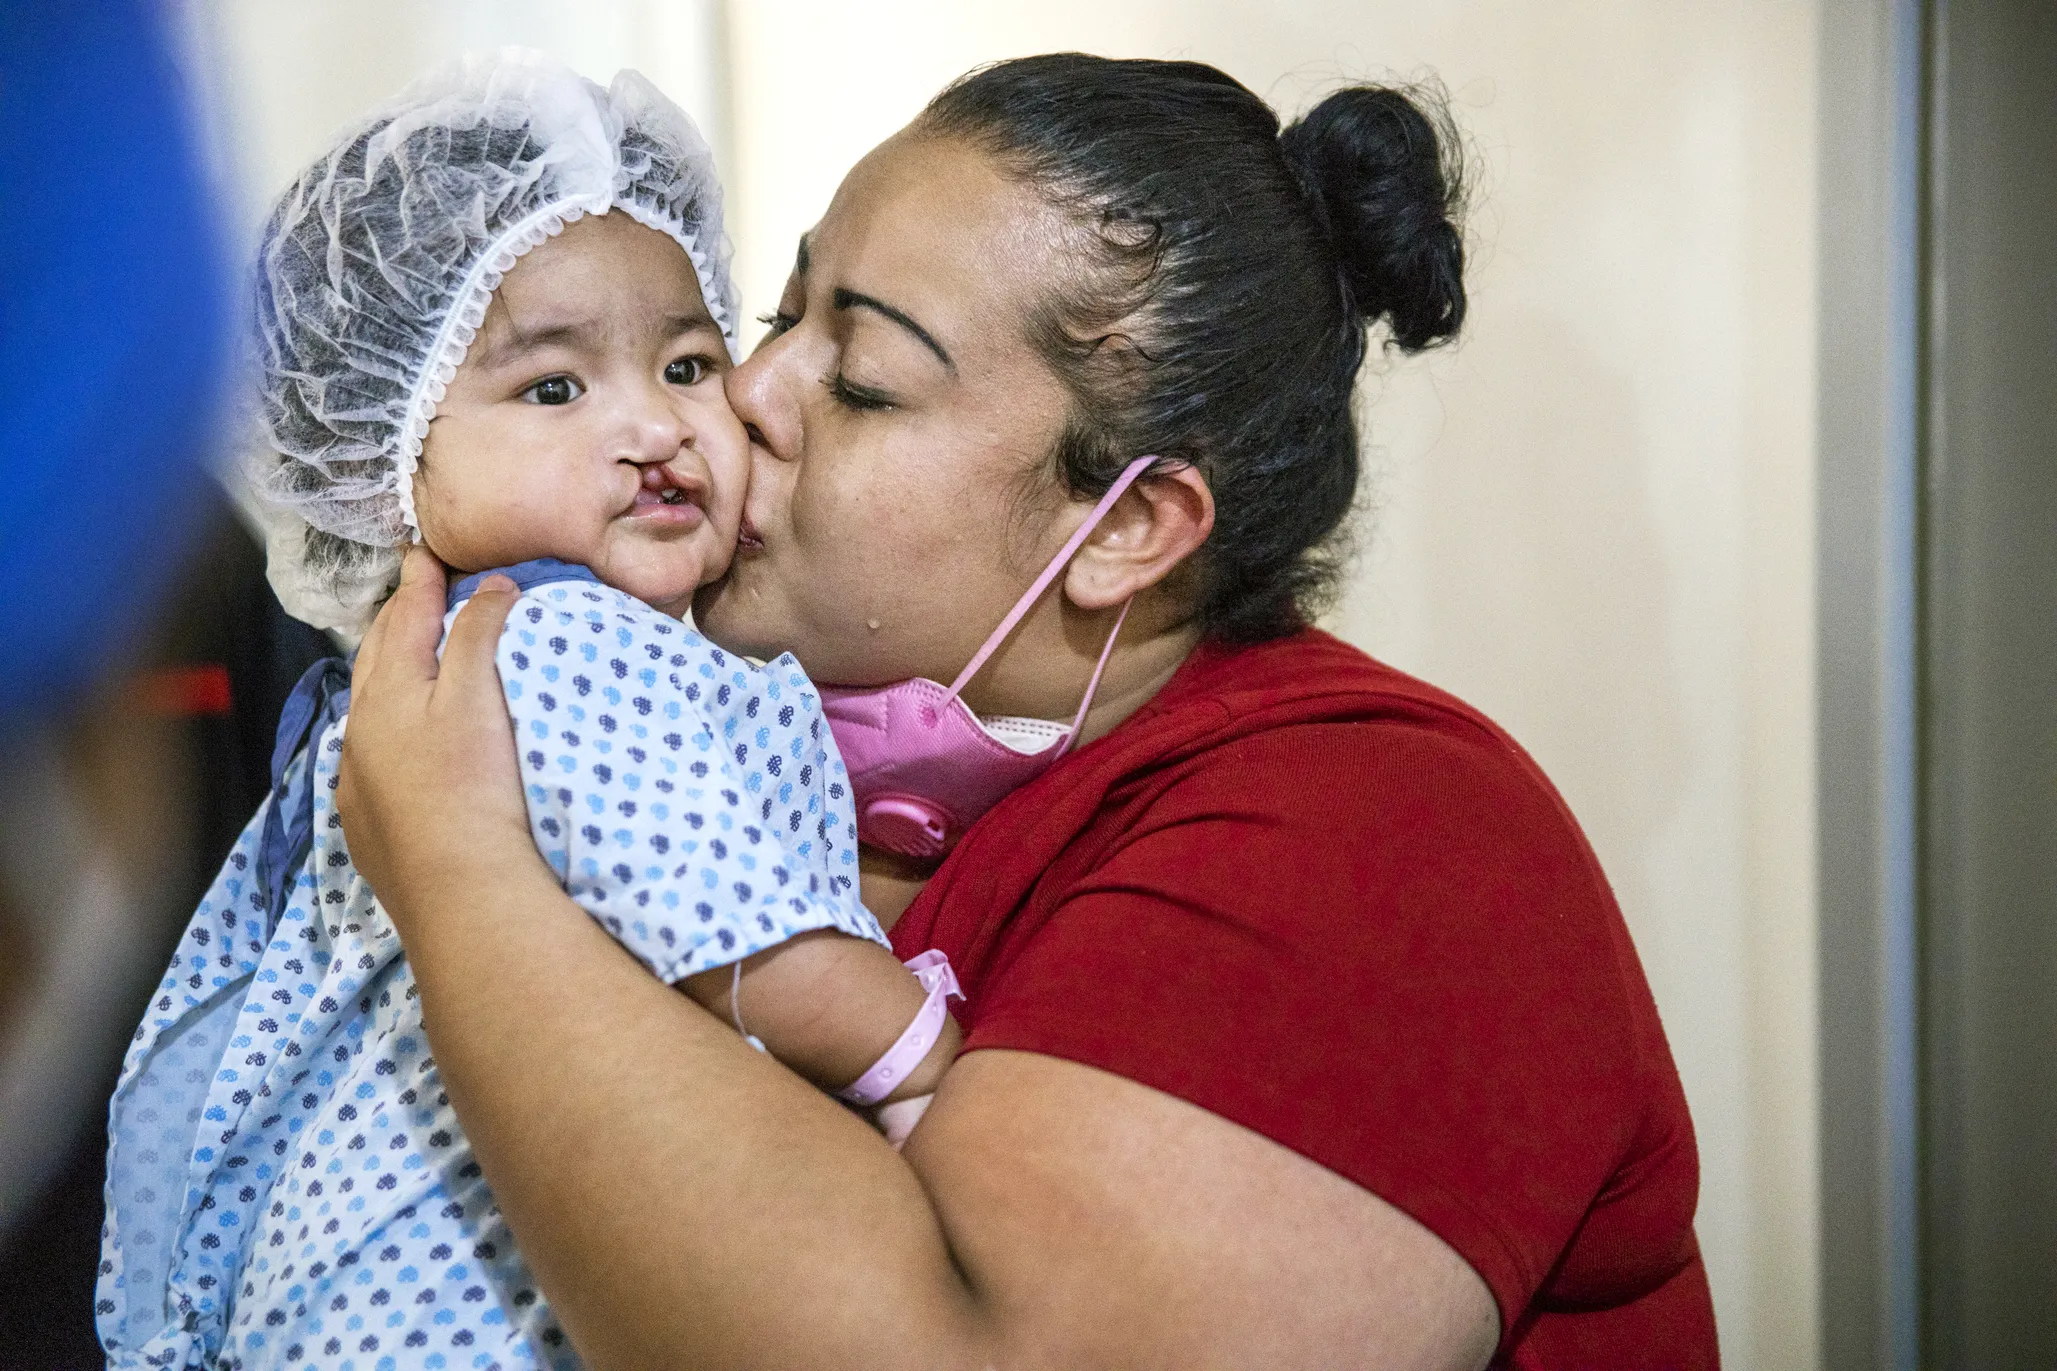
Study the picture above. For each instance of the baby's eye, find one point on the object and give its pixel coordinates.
(553, 390)
(687, 371)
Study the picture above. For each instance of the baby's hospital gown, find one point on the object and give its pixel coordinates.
(287, 1185)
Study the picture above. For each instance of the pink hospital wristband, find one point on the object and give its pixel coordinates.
(932, 969)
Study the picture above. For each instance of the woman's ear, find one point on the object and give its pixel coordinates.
(1157, 523)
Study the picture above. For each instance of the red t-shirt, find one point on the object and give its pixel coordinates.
(1339, 907)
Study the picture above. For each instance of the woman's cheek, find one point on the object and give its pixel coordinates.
(822, 525)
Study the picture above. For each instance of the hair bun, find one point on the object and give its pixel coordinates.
(1387, 185)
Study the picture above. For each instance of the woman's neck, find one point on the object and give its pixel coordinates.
(888, 882)
(1133, 677)
(1042, 670)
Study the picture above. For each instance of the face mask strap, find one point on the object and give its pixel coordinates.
(1094, 684)
(1057, 564)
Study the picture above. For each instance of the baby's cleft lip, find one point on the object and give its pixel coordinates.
(651, 507)
(663, 498)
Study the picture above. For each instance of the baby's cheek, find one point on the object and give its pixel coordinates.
(452, 528)
(722, 443)
(719, 554)
(499, 527)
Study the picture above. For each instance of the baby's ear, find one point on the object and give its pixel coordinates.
(1159, 522)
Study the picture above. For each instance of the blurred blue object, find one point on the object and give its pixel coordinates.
(113, 325)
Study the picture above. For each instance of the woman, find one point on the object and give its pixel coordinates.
(1302, 1029)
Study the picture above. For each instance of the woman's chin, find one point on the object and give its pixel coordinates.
(730, 615)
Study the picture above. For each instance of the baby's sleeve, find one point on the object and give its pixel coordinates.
(684, 798)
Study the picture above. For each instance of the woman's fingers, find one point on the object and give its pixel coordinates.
(408, 626)
(428, 742)
(469, 671)
(414, 616)
(469, 710)
(392, 686)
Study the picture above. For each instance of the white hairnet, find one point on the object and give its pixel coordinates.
(376, 268)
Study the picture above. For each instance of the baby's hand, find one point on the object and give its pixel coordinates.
(900, 1111)
(897, 1118)
(923, 1080)
(830, 1006)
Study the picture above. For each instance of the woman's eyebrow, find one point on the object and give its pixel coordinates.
(850, 299)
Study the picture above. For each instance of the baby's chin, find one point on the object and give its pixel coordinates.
(662, 572)
(661, 576)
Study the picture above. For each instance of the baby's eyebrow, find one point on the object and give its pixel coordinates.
(578, 335)
(687, 322)
(516, 342)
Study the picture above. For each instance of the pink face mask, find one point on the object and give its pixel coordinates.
(922, 766)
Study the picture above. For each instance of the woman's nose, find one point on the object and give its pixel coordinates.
(761, 391)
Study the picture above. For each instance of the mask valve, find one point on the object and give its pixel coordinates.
(907, 825)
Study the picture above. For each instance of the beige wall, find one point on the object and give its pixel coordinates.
(285, 76)
(1594, 518)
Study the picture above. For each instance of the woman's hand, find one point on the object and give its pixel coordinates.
(430, 791)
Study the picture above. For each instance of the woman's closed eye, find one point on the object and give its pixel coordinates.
(553, 390)
(854, 395)
(847, 393)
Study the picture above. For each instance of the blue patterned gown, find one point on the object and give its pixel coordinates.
(287, 1185)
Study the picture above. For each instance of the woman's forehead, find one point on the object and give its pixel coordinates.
(933, 226)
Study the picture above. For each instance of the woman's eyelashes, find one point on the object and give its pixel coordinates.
(862, 398)
(847, 393)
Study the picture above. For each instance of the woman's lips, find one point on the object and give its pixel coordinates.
(748, 539)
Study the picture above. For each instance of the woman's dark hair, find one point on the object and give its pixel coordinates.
(1228, 275)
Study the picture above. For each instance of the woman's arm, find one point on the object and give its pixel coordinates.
(686, 1202)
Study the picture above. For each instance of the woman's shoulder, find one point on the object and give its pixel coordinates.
(1309, 718)
(1308, 672)
(1273, 778)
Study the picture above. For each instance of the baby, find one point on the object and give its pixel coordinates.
(496, 316)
